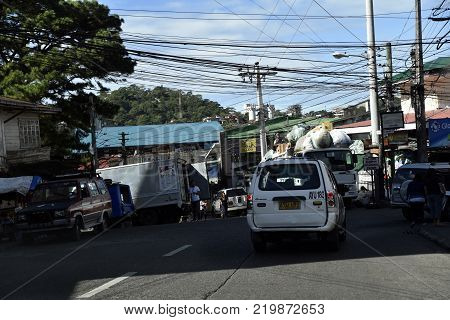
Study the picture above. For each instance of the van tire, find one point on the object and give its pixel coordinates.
(258, 242)
(331, 239)
(104, 224)
(75, 232)
(343, 231)
(348, 203)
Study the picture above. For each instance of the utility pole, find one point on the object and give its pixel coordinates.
(180, 110)
(418, 91)
(388, 78)
(390, 108)
(371, 55)
(258, 74)
(373, 98)
(123, 141)
(94, 156)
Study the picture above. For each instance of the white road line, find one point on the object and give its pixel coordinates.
(107, 285)
(171, 253)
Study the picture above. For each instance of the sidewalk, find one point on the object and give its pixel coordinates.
(438, 234)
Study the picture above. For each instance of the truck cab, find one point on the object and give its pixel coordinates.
(340, 162)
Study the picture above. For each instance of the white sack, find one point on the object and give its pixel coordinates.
(340, 138)
(321, 139)
(296, 133)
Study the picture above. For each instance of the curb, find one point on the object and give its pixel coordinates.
(443, 242)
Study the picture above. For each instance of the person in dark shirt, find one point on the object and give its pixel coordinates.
(416, 198)
(434, 195)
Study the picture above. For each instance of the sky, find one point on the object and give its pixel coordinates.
(244, 32)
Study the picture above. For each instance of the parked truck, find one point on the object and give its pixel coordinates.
(159, 188)
(341, 162)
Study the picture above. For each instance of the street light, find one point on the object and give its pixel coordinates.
(340, 55)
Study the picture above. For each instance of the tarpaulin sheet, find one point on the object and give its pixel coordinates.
(18, 184)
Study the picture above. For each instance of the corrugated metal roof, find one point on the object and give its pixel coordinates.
(164, 134)
(434, 65)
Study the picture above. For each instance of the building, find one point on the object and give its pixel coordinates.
(437, 99)
(188, 141)
(436, 82)
(253, 111)
(20, 139)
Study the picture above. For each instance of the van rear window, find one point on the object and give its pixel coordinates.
(283, 177)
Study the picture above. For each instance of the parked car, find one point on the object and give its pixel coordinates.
(293, 196)
(236, 202)
(67, 204)
(404, 175)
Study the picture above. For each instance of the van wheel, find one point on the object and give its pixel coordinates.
(258, 242)
(104, 224)
(331, 239)
(407, 214)
(348, 203)
(75, 232)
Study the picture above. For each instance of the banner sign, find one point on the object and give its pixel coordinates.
(398, 137)
(439, 133)
(371, 163)
(392, 120)
(247, 145)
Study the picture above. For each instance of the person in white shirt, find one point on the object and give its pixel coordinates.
(194, 191)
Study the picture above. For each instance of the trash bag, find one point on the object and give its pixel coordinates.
(307, 143)
(296, 133)
(357, 147)
(340, 138)
(321, 139)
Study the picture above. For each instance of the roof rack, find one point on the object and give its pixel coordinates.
(73, 176)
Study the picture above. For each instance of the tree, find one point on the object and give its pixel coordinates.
(294, 110)
(54, 51)
(139, 106)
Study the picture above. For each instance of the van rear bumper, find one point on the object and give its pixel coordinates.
(329, 226)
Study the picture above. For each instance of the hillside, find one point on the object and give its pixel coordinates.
(139, 106)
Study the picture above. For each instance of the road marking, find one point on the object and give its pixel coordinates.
(171, 253)
(107, 285)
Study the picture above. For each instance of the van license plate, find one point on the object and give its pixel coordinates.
(289, 205)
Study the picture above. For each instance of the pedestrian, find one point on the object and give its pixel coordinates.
(416, 198)
(434, 191)
(224, 204)
(194, 191)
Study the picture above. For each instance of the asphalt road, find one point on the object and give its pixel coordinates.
(213, 259)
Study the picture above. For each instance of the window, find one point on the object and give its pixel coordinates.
(56, 191)
(336, 160)
(101, 187)
(289, 177)
(236, 192)
(84, 190)
(93, 189)
(29, 134)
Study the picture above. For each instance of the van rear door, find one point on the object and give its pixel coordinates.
(289, 194)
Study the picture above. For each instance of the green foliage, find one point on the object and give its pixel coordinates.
(52, 51)
(138, 106)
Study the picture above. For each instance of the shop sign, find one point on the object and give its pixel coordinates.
(439, 133)
(247, 145)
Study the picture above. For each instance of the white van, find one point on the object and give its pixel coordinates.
(294, 195)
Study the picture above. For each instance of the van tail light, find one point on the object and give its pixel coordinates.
(249, 201)
(331, 199)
